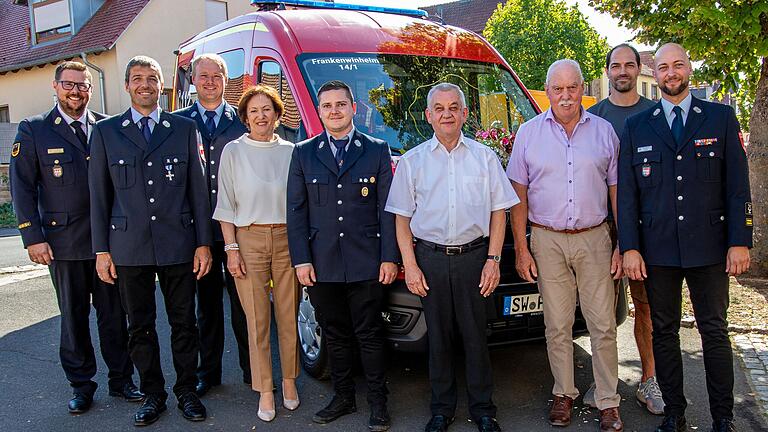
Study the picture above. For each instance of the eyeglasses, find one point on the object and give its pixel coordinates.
(69, 85)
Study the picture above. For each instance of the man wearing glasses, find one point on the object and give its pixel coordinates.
(49, 184)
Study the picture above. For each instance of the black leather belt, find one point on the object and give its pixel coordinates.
(455, 250)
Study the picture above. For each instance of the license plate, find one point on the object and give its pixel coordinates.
(523, 304)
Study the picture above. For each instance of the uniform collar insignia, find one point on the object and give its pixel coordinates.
(357, 143)
(697, 110)
(57, 121)
(126, 123)
(166, 123)
(322, 143)
(656, 112)
(194, 114)
(228, 114)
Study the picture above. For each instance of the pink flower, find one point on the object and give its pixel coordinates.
(505, 141)
(494, 133)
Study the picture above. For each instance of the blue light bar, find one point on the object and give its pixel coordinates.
(341, 6)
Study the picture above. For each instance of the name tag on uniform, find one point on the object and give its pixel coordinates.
(644, 149)
(704, 142)
(55, 150)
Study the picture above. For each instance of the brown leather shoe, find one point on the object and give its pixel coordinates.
(610, 421)
(560, 413)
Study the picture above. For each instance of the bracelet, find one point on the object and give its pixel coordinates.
(231, 246)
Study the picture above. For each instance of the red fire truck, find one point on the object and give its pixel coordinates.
(390, 58)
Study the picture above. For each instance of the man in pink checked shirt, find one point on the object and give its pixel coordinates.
(563, 167)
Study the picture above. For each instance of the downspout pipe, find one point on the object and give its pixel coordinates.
(102, 92)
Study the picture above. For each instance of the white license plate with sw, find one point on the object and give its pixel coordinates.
(523, 304)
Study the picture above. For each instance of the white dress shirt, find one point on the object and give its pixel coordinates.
(685, 106)
(450, 196)
(346, 147)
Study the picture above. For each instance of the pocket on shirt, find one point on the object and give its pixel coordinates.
(475, 190)
(123, 170)
(58, 169)
(709, 163)
(647, 167)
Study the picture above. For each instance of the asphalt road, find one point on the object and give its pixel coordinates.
(33, 391)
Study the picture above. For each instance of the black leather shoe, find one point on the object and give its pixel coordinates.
(80, 403)
(488, 424)
(150, 410)
(379, 420)
(339, 406)
(438, 423)
(129, 392)
(723, 425)
(672, 423)
(191, 407)
(203, 387)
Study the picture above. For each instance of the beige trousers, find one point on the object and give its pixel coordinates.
(264, 249)
(575, 266)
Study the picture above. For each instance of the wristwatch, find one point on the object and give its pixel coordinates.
(496, 258)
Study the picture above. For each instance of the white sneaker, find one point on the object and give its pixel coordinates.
(649, 394)
(589, 397)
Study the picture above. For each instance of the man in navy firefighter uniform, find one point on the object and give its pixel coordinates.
(685, 213)
(343, 246)
(218, 124)
(150, 217)
(49, 185)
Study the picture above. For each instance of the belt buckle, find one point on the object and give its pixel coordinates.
(452, 250)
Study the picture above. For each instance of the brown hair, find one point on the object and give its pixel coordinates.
(72, 65)
(260, 89)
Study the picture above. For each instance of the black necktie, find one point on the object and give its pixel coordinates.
(209, 123)
(145, 129)
(341, 145)
(677, 125)
(77, 126)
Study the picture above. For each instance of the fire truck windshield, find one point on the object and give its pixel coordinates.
(391, 92)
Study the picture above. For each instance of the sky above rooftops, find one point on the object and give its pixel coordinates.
(605, 24)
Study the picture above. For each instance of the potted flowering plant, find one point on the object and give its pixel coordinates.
(499, 139)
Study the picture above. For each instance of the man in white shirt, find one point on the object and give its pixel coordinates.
(454, 265)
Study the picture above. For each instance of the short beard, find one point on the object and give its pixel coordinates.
(64, 104)
(622, 89)
(668, 91)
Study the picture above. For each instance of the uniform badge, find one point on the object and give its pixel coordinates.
(16, 149)
(57, 121)
(58, 150)
(25, 225)
(748, 222)
(364, 191)
(656, 112)
(169, 172)
(322, 143)
(741, 140)
(704, 142)
(126, 123)
(166, 124)
(646, 170)
(697, 110)
(644, 149)
(357, 143)
(748, 208)
(228, 114)
(57, 171)
(373, 179)
(365, 180)
(194, 114)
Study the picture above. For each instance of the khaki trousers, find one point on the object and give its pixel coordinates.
(575, 266)
(264, 249)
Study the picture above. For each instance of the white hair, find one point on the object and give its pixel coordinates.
(446, 87)
(563, 63)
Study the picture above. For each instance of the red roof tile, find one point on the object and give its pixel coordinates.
(98, 34)
(467, 14)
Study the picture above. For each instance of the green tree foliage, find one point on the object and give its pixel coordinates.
(531, 34)
(730, 38)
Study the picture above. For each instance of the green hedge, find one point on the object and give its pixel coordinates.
(7, 216)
